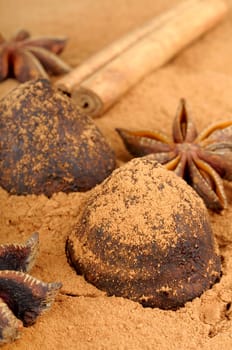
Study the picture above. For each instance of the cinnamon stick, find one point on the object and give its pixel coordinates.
(174, 31)
(99, 59)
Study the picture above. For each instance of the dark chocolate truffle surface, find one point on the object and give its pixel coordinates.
(47, 145)
(144, 234)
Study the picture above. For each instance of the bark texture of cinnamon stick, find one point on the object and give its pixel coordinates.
(98, 60)
(123, 65)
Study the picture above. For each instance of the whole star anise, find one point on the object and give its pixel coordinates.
(27, 58)
(201, 159)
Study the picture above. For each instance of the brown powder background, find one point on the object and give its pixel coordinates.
(82, 316)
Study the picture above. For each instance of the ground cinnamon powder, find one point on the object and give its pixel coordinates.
(82, 316)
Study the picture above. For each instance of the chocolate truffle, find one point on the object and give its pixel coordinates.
(47, 145)
(144, 234)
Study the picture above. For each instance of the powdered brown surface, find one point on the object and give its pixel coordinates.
(127, 245)
(82, 316)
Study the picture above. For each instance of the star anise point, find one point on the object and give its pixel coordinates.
(203, 160)
(27, 58)
(22, 297)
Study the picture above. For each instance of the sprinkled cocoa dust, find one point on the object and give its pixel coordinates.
(144, 234)
(84, 317)
(47, 146)
(161, 194)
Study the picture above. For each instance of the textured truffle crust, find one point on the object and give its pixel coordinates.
(46, 145)
(145, 235)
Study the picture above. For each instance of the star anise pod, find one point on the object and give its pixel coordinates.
(22, 297)
(203, 159)
(27, 58)
(19, 257)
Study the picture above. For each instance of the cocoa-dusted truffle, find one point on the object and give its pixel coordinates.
(46, 145)
(144, 234)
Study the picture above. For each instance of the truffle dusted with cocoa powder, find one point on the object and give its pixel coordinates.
(46, 145)
(144, 234)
